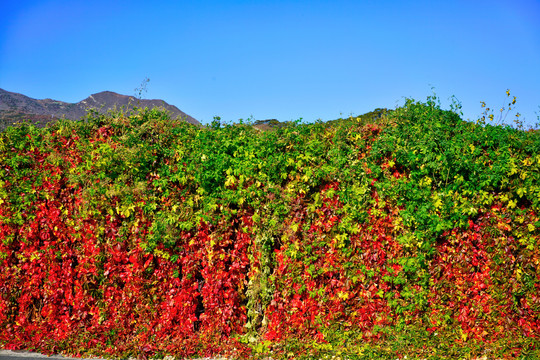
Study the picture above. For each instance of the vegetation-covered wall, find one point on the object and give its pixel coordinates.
(412, 234)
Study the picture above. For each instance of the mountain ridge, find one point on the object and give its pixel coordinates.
(15, 107)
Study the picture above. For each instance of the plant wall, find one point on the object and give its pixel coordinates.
(415, 233)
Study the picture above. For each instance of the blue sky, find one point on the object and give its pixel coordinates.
(276, 59)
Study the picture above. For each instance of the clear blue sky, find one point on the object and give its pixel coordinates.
(276, 59)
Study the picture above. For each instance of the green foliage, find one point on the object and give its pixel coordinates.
(405, 232)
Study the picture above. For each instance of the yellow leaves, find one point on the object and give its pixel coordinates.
(409, 240)
(263, 346)
(119, 210)
(35, 256)
(340, 240)
(230, 180)
(398, 223)
(486, 198)
(531, 227)
(528, 161)
(184, 180)
(518, 274)
(125, 210)
(162, 254)
(512, 171)
(512, 204)
(426, 181)
(437, 202)
(316, 345)
(343, 295)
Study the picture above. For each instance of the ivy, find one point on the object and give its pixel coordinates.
(411, 233)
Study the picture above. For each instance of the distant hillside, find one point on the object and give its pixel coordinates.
(16, 107)
(372, 116)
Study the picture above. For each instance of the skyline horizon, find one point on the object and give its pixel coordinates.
(500, 120)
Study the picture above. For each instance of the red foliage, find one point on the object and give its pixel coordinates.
(466, 274)
(332, 286)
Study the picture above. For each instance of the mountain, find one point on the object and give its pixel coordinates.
(16, 107)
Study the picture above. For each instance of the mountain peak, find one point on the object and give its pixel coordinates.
(14, 106)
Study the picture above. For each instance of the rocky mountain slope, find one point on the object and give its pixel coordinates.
(16, 107)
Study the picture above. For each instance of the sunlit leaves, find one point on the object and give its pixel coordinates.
(141, 235)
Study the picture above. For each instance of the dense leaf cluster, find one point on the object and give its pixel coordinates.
(411, 232)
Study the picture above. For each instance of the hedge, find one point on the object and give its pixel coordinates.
(131, 234)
